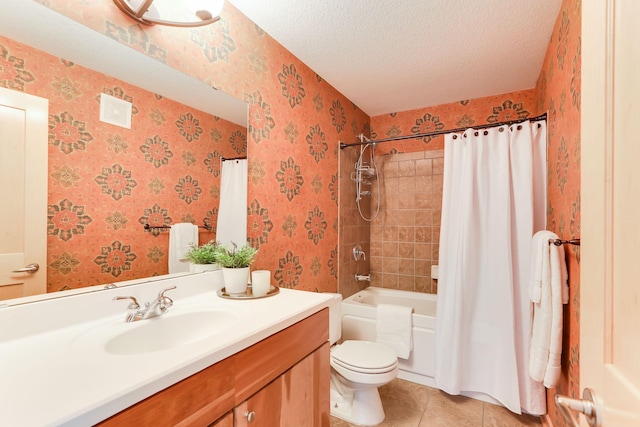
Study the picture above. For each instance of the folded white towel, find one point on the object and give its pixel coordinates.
(182, 237)
(393, 328)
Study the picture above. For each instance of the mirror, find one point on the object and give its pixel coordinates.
(106, 182)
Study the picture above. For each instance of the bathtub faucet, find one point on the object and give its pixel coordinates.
(363, 277)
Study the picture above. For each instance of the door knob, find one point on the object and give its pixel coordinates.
(31, 268)
(590, 406)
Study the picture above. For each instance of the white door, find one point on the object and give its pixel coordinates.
(610, 175)
(23, 193)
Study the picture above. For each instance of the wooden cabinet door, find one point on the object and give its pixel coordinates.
(298, 398)
(226, 421)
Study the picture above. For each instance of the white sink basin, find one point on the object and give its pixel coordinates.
(164, 332)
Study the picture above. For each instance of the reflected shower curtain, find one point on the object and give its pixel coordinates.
(494, 200)
(232, 213)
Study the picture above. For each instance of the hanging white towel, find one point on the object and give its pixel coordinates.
(393, 328)
(548, 292)
(182, 237)
(232, 214)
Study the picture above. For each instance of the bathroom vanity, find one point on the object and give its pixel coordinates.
(74, 361)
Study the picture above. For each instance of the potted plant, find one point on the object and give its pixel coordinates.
(203, 258)
(235, 264)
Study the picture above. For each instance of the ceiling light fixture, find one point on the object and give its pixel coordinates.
(175, 13)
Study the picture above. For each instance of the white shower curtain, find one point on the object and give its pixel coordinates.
(232, 213)
(494, 200)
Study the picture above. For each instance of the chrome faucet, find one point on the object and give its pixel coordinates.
(159, 306)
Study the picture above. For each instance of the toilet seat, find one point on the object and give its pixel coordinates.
(364, 357)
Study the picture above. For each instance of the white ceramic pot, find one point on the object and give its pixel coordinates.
(235, 279)
(199, 268)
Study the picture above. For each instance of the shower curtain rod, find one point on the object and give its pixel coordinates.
(442, 132)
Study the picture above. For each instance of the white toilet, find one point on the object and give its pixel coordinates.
(358, 368)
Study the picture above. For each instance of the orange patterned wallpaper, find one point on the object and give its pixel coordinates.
(105, 181)
(467, 113)
(558, 92)
(295, 122)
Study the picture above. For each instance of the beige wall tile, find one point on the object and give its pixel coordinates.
(438, 166)
(390, 265)
(399, 157)
(406, 184)
(424, 201)
(406, 201)
(390, 185)
(423, 284)
(389, 169)
(390, 249)
(423, 217)
(406, 250)
(390, 233)
(424, 167)
(423, 250)
(406, 233)
(375, 249)
(406, 266)
(423, 267)
(423, 234)
(375, 264)
(433, 154)
(376, 233)
(406, 217)
(424, 184)
(390, 281)
(406, 282)
(376, 279)
(407, 168)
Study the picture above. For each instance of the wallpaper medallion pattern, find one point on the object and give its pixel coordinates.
(103, 186)
(510, 106)
(558, 92)
(295, 122)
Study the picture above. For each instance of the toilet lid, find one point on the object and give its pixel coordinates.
(364, 356)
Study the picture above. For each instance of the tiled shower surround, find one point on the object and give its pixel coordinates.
(406, 232)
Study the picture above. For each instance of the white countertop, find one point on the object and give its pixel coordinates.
(54, 372)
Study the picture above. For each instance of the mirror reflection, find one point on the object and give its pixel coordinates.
(107, 182)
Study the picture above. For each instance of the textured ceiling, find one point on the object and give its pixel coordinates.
(389, 56)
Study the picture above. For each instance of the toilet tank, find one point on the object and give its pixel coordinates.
(335, 318)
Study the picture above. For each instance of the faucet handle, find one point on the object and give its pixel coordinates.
(134, 303)
(161, 294)
(165, 302)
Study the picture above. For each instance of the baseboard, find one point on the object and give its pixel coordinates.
(546, 421)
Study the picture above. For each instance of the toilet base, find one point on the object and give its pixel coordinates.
(361, 407)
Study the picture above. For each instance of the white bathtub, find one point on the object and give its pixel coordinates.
(359, 323)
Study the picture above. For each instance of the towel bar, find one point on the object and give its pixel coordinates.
(559, 242)
(151, 227)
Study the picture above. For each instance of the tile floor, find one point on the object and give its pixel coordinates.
(407, 404)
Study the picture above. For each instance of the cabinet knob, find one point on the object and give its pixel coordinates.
(250, 416)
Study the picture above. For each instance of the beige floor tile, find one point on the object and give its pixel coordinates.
(337, 422)
(404, 394)
(407, 404)
(447, 410)
(396, 416)
(497, 416)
